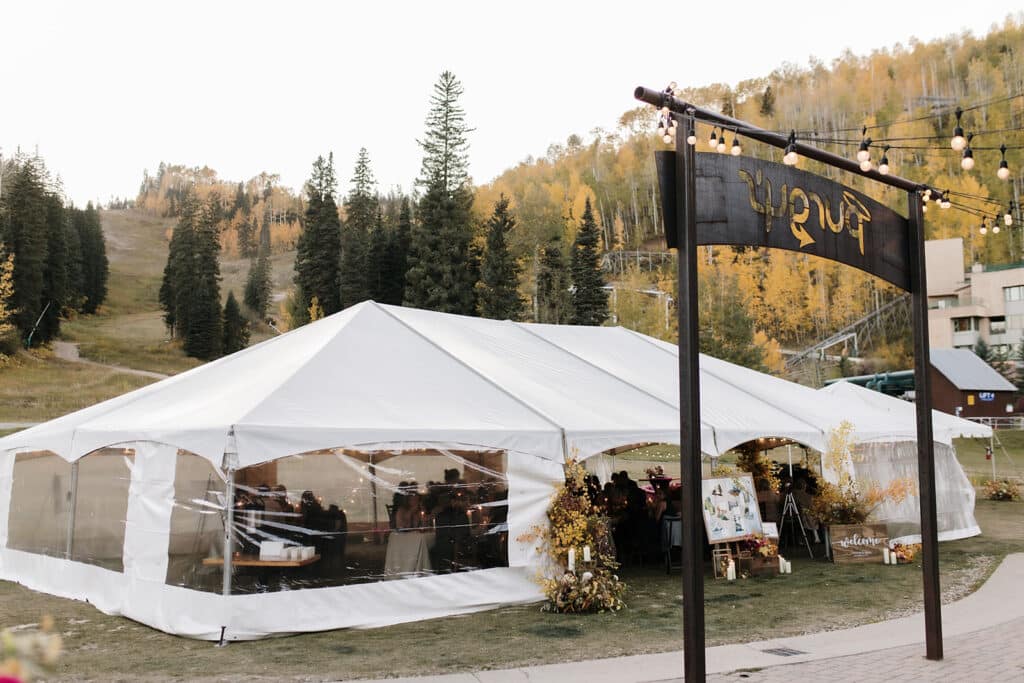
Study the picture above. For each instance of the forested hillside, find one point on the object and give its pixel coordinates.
(905, 94)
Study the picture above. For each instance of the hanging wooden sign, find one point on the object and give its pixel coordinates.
(751, 202)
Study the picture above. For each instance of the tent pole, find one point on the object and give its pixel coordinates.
(229, 530)
(71, 512)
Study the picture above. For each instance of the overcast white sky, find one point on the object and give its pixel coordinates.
(106, 89)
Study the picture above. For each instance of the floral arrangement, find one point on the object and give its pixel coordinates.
(757, 544)
(905, 552)
(1001, 489)
(760, 467)
(723, 471)
(656, 472)
(26, 656)
(575, 523)
(847, 502)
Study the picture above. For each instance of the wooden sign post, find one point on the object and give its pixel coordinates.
(758, 203)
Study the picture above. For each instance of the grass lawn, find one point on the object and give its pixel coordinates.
(817, 596)
(41, 389)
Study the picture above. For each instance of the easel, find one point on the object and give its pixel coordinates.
(791, 511)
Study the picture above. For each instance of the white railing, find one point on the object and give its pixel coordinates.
(1008, 422)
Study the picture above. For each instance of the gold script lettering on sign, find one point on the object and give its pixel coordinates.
(796, 205)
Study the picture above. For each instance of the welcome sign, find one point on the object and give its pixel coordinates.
(858, 542)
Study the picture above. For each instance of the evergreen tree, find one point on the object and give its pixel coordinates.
(397, 261)
(554, 304)
(55, 275)
(378, 261)
(247, 246)
(589, 299)
(442, 271)
(179, 269)
(498, 289)
(258, 287)
(95, 266)
(24, 234)
(361, 209)
(236, 328)
(317, 251)
(72, 237)
(204, 337)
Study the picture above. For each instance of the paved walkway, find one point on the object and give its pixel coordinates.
(69, 352)
(982, 636)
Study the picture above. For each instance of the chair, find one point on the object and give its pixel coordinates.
(391, 516)
(672, 538)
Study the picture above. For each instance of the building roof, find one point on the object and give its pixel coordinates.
(967, 371)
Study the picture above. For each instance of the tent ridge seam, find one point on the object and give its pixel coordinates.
(472, 369)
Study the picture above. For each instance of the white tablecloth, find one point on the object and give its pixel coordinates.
(408, 552)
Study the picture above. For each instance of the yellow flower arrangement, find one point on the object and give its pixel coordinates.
(574, 523)
(1001, 489)
(905, 552)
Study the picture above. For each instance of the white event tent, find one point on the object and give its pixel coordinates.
(126, 503)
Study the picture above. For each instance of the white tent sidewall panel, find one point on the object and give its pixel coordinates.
(6, 486)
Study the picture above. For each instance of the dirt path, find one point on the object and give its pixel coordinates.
(69, 352)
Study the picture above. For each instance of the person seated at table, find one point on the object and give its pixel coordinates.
(311, 510)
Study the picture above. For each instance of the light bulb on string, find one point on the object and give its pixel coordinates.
(691, 137)
(944, 202)
(883, 167)
(1008, 216)
(1004, 169)
(736, 149)
(863, 151)
(791, 157)
(713, 141)
(967, 162)
(720, 147)
(865, 165)
(959, 141)
(983, 229)
(995, 228)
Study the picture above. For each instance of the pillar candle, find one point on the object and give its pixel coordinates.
(789, 567)
(572, 559)
(885, 556)
(894, 558)
(730, 574)
(782, 564)
(586, 553)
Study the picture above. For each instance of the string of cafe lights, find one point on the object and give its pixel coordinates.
(959, 142)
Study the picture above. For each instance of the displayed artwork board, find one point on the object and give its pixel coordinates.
(730, 508)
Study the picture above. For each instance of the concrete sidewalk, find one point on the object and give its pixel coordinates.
(984, 619)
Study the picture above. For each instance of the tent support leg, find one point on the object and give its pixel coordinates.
(229, 532)
(73, 505)
(925, 440)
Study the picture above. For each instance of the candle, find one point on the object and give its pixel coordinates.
(789, 567)
(730, 573)
(894, 558)
(572, 559)
(586, 553)
(885, 556)
(782, 564)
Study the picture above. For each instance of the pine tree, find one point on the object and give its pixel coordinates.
(317, 252)
(204, 337)
(179, 269)
(95, 266)
(361, 209)
(236, 328)
(554, 304)
(24, 234)
(55, 275)
(378, 261)
(397, 261)
(76, 280)
(589, 299)
(498, 289)
(247, 246)
(442, 272)
(258, 287)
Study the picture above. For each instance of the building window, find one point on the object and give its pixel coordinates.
(997, 325)
(1015, 293)
(1015, 322)
(964, 325)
